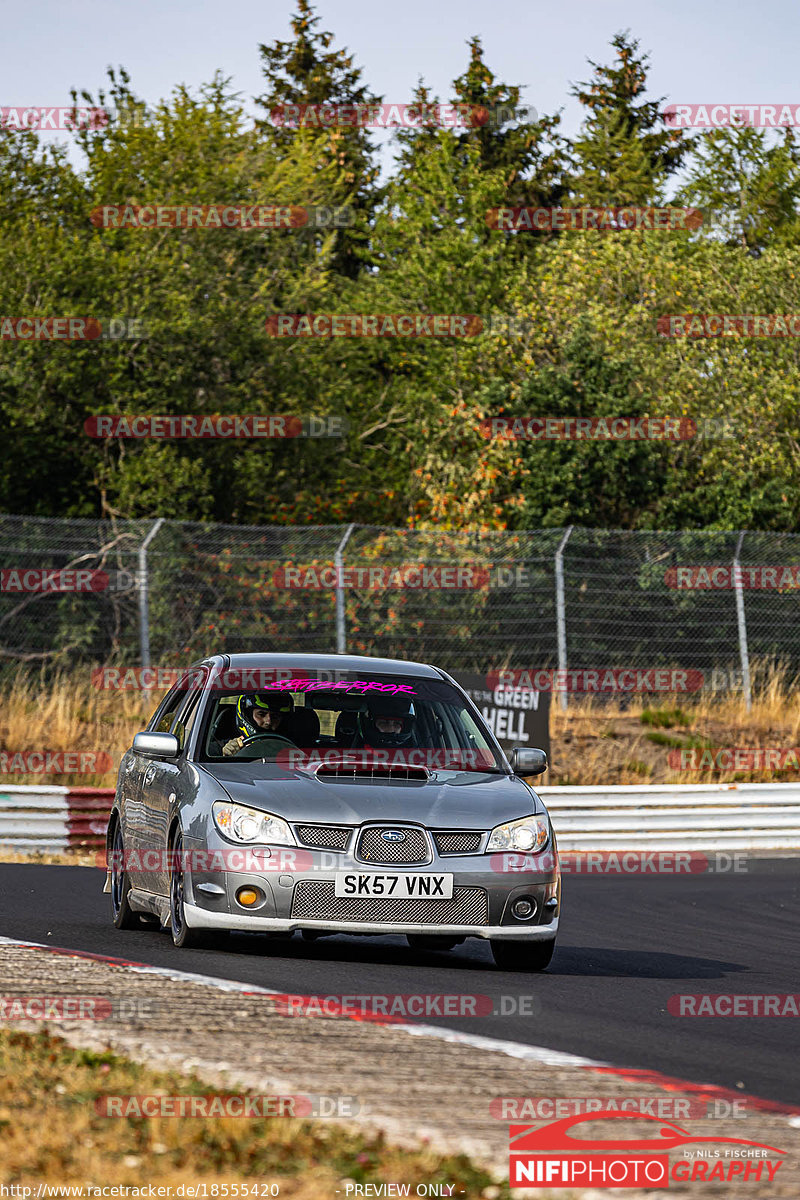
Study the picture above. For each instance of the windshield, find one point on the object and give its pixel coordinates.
(312, 717)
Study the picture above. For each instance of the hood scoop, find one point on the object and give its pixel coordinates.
(360, 771)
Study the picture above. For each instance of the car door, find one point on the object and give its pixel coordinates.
(142, 827)
(161, 785)
(130, 808)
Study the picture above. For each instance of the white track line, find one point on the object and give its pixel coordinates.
(541, 1054)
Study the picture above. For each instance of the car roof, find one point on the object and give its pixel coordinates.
(330, 662)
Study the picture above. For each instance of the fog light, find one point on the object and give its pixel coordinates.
(524, 909)
(248, 896)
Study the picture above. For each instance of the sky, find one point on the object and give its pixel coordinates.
(715, 52)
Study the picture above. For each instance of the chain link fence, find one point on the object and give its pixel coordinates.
(167, 592)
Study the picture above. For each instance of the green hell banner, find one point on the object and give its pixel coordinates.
(517, 716)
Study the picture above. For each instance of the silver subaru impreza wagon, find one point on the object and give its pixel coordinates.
(332, 795)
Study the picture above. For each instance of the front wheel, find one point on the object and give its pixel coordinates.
(182, 935)
(522, 956)
(123, 915)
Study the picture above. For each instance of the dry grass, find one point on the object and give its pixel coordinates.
(51, 1132)
(69, 714)
(628, 739)
(597, 741)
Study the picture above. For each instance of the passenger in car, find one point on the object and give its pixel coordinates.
(387, 721)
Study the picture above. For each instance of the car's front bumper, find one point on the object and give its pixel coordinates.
(211, 898)
(200, 918)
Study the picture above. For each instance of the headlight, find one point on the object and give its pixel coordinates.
(242, 824)
(529, 834)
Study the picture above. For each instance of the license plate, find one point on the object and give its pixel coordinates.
(362, 883)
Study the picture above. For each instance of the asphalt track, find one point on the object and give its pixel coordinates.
(626, 946)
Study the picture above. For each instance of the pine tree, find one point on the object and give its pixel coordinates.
(530, 152)
(623, 156)
(305, 71)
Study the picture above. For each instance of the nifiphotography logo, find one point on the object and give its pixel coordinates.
(554, 1156)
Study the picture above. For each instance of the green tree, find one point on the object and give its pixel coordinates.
(306, 71)
(530, 153)
(748, 185)
(623, 154)
(202, 296)
(611, 484)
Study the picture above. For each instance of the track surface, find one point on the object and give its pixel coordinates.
(626, 945)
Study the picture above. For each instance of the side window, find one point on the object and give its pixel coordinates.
(182, 726)
(164, 715)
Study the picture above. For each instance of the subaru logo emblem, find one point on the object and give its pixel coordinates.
(393, 835)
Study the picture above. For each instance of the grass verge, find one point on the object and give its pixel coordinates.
(50, 1131)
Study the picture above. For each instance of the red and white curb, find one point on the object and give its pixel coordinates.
(542, 1055)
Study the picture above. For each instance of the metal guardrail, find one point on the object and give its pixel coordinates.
(34, 818)
(745, 816)
(708, 816)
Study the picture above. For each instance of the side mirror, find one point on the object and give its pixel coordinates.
(527, 761)
(165, 744)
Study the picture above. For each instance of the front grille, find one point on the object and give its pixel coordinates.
(372, 848)
(314, 900)
(325, 837)
(458, 842)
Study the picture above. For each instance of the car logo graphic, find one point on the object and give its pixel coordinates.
(393, 835)
(556, 1136)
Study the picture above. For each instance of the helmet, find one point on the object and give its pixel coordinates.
(386, 708)
(273, 701)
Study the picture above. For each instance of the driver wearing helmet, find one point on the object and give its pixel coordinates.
(387, 722)
(259, 714)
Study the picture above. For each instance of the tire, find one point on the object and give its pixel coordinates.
(522, 956)
(182, 935)
(123, 916)
(429, 941)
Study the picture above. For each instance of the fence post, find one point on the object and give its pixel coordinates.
(561, 615)
(740, 621)
(144, 596)
(341, 633)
